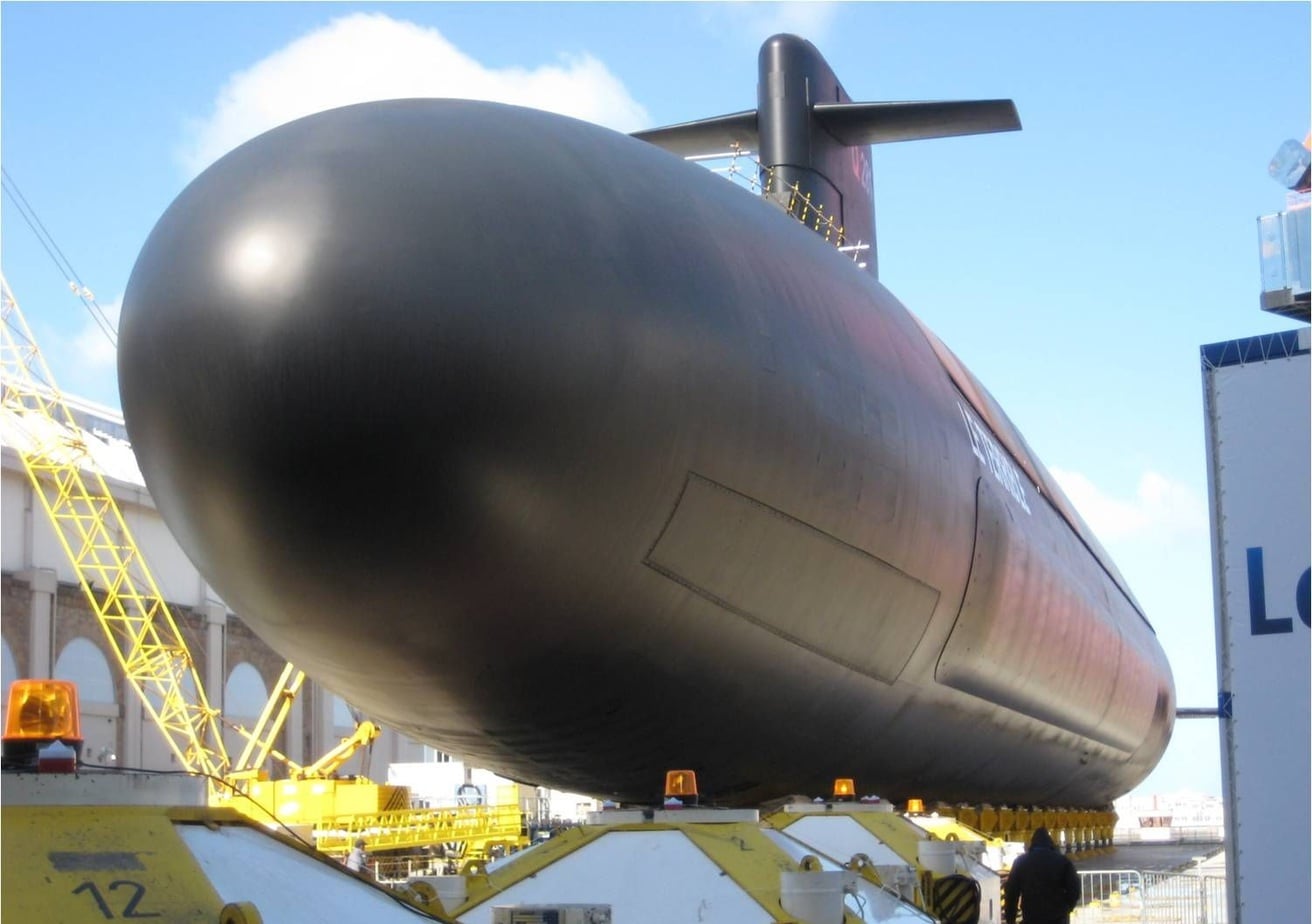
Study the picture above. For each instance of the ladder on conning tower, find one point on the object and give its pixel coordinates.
(743, 169)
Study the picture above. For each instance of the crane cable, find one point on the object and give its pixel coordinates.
(75, 284)
(102, 320)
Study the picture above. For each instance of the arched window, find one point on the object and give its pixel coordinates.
(85, 664)
(188, 690)
(245, 693)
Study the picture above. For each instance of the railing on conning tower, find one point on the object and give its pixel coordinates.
(742, 168)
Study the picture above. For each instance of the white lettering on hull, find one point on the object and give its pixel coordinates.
(995, 460)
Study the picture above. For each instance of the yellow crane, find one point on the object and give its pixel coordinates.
(157, 663)
(141, 630)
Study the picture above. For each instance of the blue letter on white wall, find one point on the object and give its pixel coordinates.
(1257, 620)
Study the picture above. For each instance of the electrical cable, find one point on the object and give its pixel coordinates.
(860, 902)
(62, 263)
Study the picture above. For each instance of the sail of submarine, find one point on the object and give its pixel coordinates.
(583, 479)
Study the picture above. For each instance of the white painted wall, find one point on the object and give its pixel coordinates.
(1258, 462)
(13, 500)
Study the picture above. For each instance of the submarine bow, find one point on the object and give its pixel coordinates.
(554, 451)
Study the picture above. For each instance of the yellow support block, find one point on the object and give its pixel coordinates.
(99, 863)
(1021, 823)
(953, 829)
(1081, 830)
(1006, 820)
(740, 850)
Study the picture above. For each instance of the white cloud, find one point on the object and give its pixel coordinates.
(758, 21)
(809, 20)
(94, 347)
(1159, 505)
(370, 56)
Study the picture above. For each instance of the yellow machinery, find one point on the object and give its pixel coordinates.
(158, 665)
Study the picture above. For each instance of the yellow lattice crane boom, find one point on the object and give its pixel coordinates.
(259, 740)
(141, 630)
(149, 648)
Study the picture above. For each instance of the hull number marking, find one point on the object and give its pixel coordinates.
(994, 459)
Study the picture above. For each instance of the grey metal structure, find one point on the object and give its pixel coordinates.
(662, 479)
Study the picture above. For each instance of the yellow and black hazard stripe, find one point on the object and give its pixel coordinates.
(957, 899)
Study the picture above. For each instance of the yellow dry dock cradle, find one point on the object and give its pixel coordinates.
(95, 847)
(108, 846)
(123, 845)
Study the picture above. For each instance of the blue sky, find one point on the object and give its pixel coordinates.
(1075, 266)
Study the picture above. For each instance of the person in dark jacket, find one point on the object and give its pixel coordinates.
(1043, 885)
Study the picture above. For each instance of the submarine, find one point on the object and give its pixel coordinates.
(555, 451)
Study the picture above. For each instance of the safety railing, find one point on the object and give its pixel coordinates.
(742, 168)
(1135, 897)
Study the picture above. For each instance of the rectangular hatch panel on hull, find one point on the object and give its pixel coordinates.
(1039, 631)
(765, 566)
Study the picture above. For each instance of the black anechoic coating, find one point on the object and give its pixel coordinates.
(550, 449)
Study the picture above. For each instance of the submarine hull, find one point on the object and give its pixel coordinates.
(565, 456)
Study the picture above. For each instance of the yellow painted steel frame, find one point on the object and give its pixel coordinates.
(259, 741)
(119, 587)
(364, 735)
(741, 849)
(896, 832)
(477, 827)
(947, 828)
